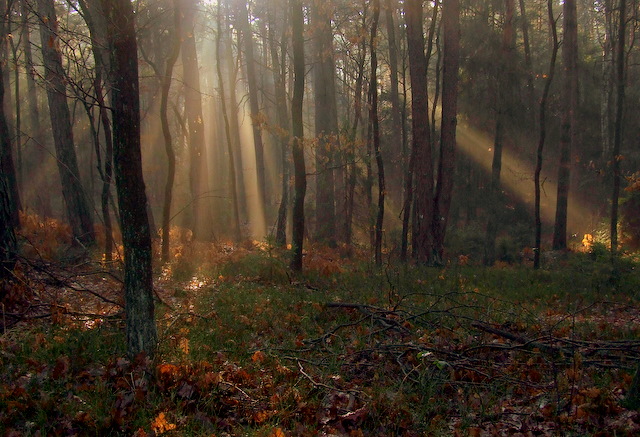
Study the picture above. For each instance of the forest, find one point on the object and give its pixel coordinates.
(305, 217)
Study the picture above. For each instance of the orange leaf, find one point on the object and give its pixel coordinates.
(277, 433)
(161, 425)
(258, 357)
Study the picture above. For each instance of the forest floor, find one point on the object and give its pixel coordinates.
(346, 349)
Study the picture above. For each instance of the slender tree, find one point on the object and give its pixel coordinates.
(297, 130)
(326, 120)
(618, 127)
(136, 235)
(74, 196)
(568, 123)
(422, 166)
(193, 115)
(543, 132)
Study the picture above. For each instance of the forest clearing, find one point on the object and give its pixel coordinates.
(345, 349)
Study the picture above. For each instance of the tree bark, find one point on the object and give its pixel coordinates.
(326, 121)
(227, 129)
(543, 134)
(373, 116)
(244, 28)
(421, 138)
(9, 219)
(618, 127)
(78, 211)
(165, 87)
(297, 127)
(136, 236)
(446, 164)
(504, 85)
(195, 121)
(568, 124)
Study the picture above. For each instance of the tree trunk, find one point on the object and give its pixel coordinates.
(278, 61)
(227, 129)
(568, 124)
(326, 121)
(446, 164)
(78, 210)
(244, 28)
(396, 118)
(618, 127)
(373, 115)
(9, 219)
(527, 54)
(543, 134)
(136, 236)
(421, 138)
(195, 121)
(504, 85)
(297, 37)
(165, 87)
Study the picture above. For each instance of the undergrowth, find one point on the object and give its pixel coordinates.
(247, 348)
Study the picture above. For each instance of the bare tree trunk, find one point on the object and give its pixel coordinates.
(373, 115)
(9, 218)
(278, 61)
(165, 87)
(136, 236)
(195, 121)
(396, 120)
(227, 129)
(503, 84)
(617, 139)
(446, 164)
(568, 124)
(326, 121)
(527, 54)
(244, 28)
(543, 133)
(352, 168)
(77, 207)
(421, 139)
(297, 37)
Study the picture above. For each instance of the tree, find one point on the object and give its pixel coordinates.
(422, 165)
(503, 85)
(617, 140)
(375, 127)
(8, 189)
(543, 133)
(193, 114)
(77, 207)
(446, 163)
(136, 236)
(297, 130)
(326, 120)
(568, 123)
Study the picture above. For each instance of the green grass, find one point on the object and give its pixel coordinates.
(257, 349)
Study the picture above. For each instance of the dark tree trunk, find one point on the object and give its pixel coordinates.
(527, 54)
(504, 84)
(421, 138)
(165, 87)
(78, 210)
(297, 128)
(351, 151)
(373, 116)
(9, 219)
(195, 121)
(278, 61)
(326, 121)
(446, 164)
(568, 124)
(136, 236)
(396, 118)
(543, 134)
(228, 135)
(618, 127)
